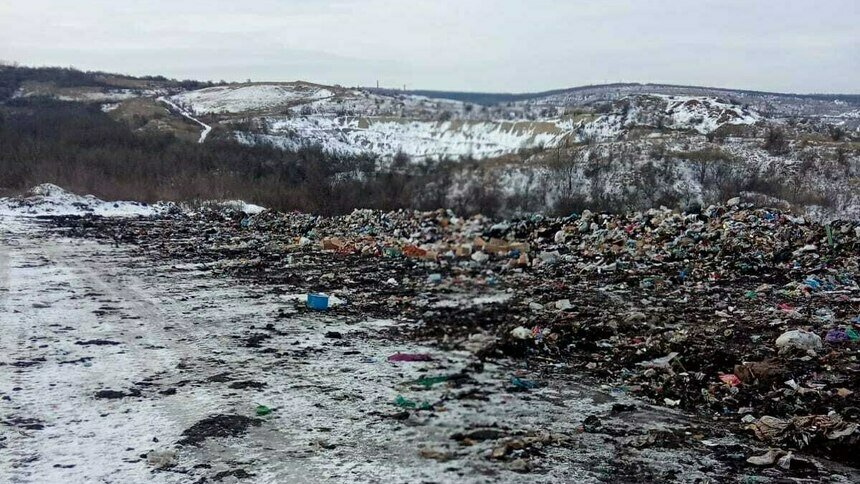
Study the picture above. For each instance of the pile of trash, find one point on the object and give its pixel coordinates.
(747, 316)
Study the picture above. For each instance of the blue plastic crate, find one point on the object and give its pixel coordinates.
(318, 302)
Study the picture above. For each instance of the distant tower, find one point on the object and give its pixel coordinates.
(377, 83)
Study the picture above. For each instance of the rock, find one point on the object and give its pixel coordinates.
(767, 459)
(519, 465)
(592, 424)
(161, 459)
(437, 455)
(116, 394)
(478, 435)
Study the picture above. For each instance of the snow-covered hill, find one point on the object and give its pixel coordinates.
(356, 121)
(417, 138)
(248, 98)
(683, 113)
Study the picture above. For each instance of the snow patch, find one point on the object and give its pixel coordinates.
(49, 199)
(238, 99)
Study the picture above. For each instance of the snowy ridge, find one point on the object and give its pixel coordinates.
(85, 94)
(244, 98)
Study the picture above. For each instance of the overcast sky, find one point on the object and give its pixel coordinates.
(472, 45)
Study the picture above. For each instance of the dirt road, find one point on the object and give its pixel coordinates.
(107, 357)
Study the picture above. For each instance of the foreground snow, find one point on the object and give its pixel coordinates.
(50, 200)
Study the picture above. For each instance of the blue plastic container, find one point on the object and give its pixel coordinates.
(317, 302)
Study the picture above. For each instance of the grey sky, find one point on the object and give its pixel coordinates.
(474, 45)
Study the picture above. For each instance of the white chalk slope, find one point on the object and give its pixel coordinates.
(353, 121)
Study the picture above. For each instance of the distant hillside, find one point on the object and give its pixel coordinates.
(489, 98)
(53, 79)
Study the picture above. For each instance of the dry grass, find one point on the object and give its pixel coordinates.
(149, 115)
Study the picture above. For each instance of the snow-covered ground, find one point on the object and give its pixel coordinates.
(180, 344)
(49, 199)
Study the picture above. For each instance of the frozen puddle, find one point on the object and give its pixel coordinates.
(105, 357)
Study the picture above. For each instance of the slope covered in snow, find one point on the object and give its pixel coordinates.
(49, 199)
(418, 139)
(355, 121)
(685, 113)
(705, 114)
(245, 98)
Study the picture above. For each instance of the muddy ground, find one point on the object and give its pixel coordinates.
(151, 351)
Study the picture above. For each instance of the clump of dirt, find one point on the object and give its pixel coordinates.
(242, 385)
(97, 342)
(116, 394)
(218, 426)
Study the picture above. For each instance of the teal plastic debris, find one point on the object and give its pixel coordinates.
(402, 402)
(429, 381)
(523, 383)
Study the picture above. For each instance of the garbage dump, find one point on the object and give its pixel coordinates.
(746, 317)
